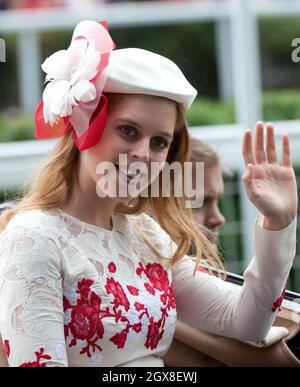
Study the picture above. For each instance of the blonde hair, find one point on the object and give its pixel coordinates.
(59, 174)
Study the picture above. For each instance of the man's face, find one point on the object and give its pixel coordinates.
(209, 214)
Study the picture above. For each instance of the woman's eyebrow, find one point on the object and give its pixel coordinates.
(134, 123)
(130, 121)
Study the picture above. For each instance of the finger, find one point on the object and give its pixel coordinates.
(247, 148)
(270, 144)
(259, 151)
(286, 152)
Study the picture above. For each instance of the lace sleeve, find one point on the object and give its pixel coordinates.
(243, 313)
(31, 300)
(211, 304)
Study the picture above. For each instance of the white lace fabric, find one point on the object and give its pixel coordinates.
(73, 294)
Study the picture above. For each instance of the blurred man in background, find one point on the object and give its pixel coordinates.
(209, 214)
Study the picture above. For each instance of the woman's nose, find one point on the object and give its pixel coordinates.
(140, 150)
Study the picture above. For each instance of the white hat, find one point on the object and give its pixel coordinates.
(138, 71)
(74, 99)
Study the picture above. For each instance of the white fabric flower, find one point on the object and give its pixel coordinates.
(70, 73)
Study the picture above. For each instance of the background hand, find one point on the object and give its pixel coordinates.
(270, 186)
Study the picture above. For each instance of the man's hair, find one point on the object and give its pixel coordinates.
(200, 151)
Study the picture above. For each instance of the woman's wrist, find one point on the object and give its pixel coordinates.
(276, 224)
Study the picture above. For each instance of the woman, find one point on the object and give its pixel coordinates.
(87, 278)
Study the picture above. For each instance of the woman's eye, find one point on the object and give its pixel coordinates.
(127, 130)
(159, 142)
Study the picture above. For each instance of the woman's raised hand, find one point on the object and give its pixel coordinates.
(270, 185)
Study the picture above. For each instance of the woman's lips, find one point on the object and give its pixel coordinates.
(126, 177)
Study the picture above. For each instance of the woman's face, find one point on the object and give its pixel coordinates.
(139, 130)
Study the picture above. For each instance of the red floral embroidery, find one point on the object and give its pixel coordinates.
(7, 347)
(149, 289)
(84, 289)
(154, 334)
(160, 281)
(39, 355)
(115, 288)
(87, 315)
(139, 271)
(112, 267)
(85, 322)
(132, 290)
(138, 306)
(156, 274)
(120, 338)
(278, 302)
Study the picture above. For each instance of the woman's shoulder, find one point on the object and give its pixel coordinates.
(146, 226)
(150, 227)
(34, 219)
(144, 220)
(36, 224)
(30, 235)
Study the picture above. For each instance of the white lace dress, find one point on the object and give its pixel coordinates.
(73, 294)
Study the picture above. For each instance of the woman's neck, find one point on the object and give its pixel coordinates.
(88, 207)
